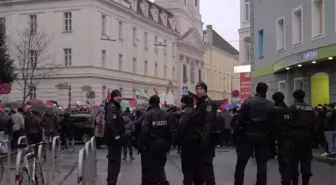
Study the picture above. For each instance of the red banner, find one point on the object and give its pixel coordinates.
(245, 85)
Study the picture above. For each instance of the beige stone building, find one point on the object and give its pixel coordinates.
(220, 58)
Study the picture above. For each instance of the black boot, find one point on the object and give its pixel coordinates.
(295, 181)
(305, 180)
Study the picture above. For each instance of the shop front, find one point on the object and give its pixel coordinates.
(313, 71)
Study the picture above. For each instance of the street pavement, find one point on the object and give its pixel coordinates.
(225, 160)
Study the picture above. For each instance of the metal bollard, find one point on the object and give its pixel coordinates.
(94, 156)
(9, 152)
(19, 154)
(56, 140)
(89, 161)
(81, 167)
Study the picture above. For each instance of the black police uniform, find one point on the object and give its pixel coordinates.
(199, 143)
(282, 122)
(114, 131)
(303, 122)
(254, 119)
(154, 143)
(187, 161)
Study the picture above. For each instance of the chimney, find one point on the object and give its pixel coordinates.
(209, 34)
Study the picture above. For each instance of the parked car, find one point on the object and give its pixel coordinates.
(84, 127)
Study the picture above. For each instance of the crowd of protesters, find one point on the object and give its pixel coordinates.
(36, 126)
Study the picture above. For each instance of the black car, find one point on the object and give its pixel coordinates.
(83, 127)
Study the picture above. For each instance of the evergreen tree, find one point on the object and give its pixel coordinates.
(7, 67)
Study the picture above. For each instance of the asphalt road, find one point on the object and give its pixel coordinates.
(225, 160)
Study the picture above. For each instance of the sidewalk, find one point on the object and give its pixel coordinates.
(317, 156)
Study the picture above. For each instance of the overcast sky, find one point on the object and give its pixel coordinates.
(224, 16)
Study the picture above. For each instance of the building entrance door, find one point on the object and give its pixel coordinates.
(320, 89)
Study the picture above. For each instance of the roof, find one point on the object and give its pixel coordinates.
(150, 16)
(221, 43)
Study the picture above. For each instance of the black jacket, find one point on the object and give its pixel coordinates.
(255, 118)
(184, 125)
(114, 123)
(156, 131)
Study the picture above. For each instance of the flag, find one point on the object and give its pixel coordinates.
(133, 103)
(69, 106)
(49, 102)
(108, 95)
(225, 102)
(156, 91)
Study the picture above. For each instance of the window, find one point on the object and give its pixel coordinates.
(134, 65)
(104, 95)
(103, 19)
(33, 58)
(146, 40)
(261, 44)
(2, 20)
(67, 57)
(146, 10)
(146, 67)
(69, 95)
(185, 2)
(134, 36)
(156, 41)
(297, 26)
(32, 92)
(298, 83)
(196, 3)
(248, 45)
(173, 48)
(120, 30)
(68, 21)
(165, 71)
(173, 73)
(280, 31)
(165, 46)
(185, 78)
(3, 23)
(317, 18)
(156, 69)
(120, 61)
(103, 55)
(199, 75)
(192, 72)
(247, 11)
(282, 87)
(33, 24)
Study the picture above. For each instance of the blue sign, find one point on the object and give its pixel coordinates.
(185, 91)
(301, 57)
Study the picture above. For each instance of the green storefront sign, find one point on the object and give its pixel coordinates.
(305, 56)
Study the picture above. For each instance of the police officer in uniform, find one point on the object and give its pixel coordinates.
(154, 144)
(201, 145)
(283, 133)
(254, 119)
(114, 131)
(303, 122)
(188, 161)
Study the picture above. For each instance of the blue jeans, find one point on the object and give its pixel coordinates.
(331, 140)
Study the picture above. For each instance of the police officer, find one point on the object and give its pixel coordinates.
(283, 134)
(154, 143)
(114, 131)
(303, 122)
(184, 140)
(202, 143)
(254, 119)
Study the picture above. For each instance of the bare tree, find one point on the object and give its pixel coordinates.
(35, 60)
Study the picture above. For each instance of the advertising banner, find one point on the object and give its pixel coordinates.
(245, 85)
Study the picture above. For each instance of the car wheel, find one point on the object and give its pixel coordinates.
(85, 138)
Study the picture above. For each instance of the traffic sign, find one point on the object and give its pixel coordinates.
(5, 88)
(185, 91)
